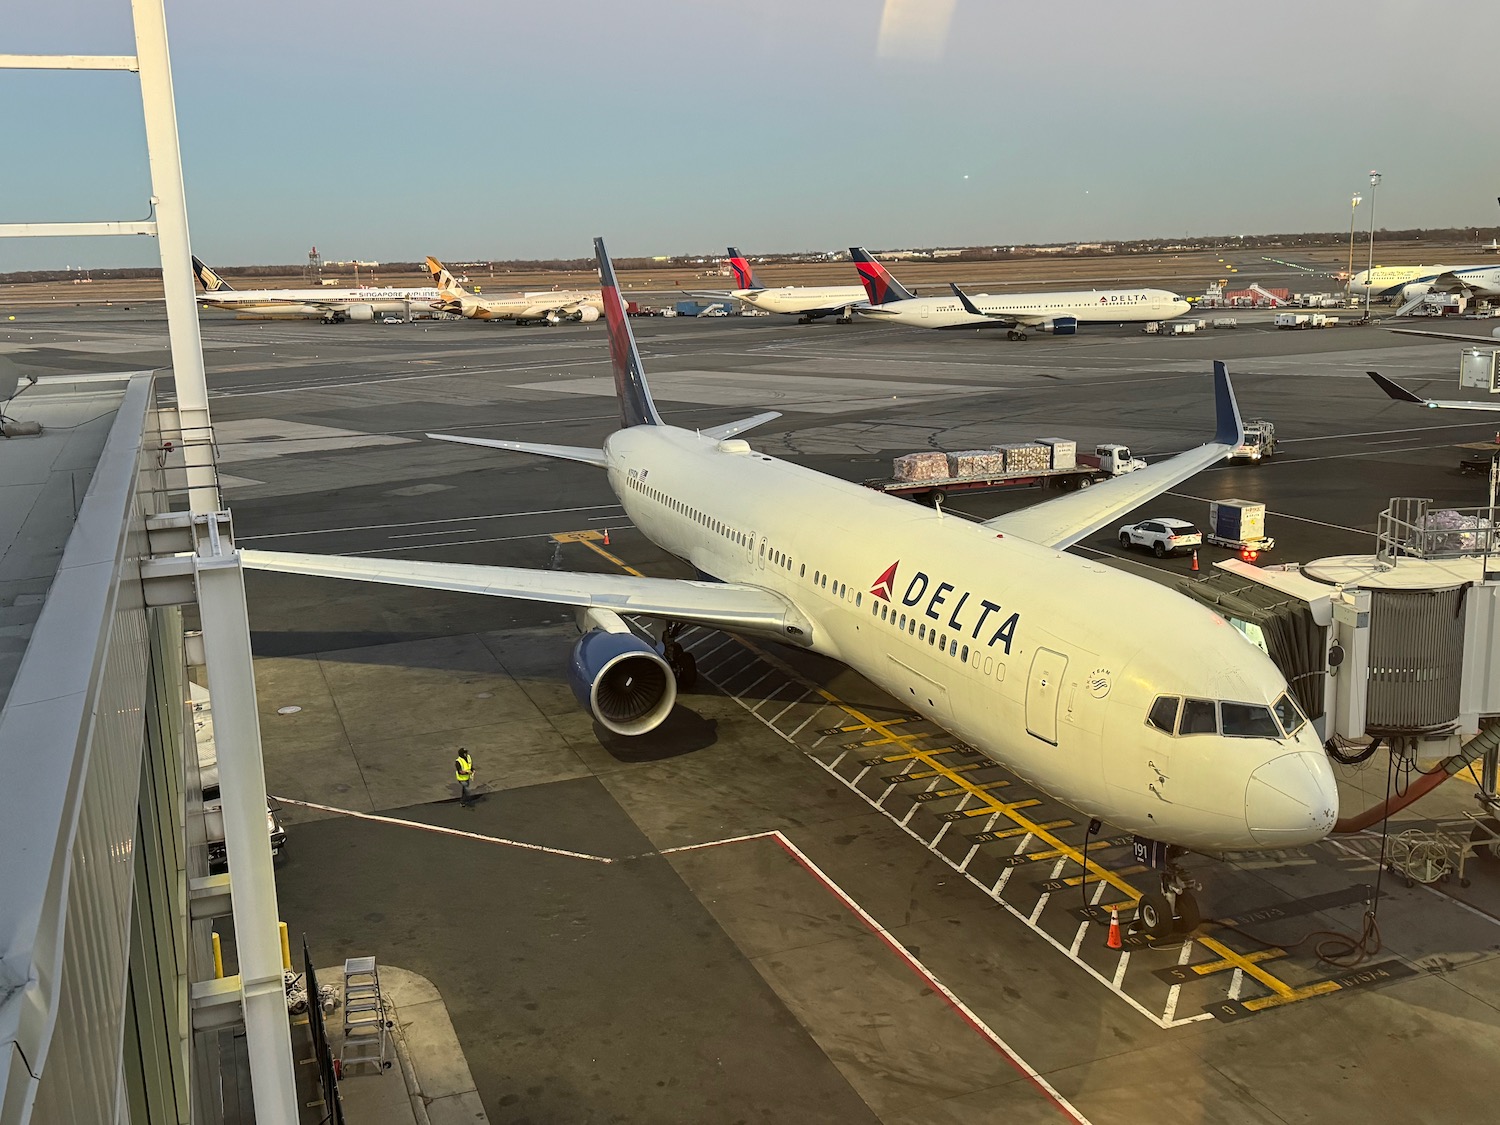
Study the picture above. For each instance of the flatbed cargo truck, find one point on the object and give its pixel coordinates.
(1108, 460)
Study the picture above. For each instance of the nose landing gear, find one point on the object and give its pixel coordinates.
(1173, 908)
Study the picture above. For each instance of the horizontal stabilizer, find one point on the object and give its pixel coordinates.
(561, 452)
(1062, 522)
(729, 429)
(719, 604)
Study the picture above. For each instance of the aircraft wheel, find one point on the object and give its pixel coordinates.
(1188, 915)
(1010, 334)
(1020, 335)
(684, 667)
(1153, 915)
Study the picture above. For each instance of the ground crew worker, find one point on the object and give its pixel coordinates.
(463, 770)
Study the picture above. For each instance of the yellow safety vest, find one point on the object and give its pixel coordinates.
(463, 768)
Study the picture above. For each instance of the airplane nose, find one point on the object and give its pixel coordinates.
(1291, 800)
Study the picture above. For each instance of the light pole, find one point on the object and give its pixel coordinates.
(1353, 203)
(1369, 274)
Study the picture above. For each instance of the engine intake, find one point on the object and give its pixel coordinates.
(622, 681)
(1062, 326)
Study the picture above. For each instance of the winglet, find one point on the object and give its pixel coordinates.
(636, 407)
(880, 286)
(1231, 428)
(1395, 390)
(963, 298)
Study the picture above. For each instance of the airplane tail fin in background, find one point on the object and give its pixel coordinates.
(636, 407)
(211, 282)
(441, 278)
(880, 286)
(744, 272)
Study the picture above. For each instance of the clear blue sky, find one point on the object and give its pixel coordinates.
(387, 130)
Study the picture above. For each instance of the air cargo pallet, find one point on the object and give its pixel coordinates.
(937, 489)
(1264, 543)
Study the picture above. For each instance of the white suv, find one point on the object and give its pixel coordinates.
(1163, 537)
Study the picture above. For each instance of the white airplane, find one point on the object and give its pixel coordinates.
(1401, 394)
(332, 305)
(807, 302)
(1128, 701)
(549, 306)
(1410, 285)
(1058, 313)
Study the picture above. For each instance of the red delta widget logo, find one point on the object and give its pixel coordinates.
(941, 605)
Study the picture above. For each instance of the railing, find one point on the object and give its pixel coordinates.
(1410, 528)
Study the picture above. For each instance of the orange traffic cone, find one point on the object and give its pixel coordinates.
(1114, 941)
(606, 537)
(1195, 558)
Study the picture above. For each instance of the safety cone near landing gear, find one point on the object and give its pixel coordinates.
(1195, 557)
(1114, 941)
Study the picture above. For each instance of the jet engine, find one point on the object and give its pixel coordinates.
(361, 312)
(1061, 326)
(586, 315)
(1415, 291)
(620, 679)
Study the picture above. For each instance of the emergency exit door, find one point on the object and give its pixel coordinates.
(1043, 690)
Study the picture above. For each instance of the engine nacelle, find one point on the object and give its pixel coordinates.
(361, 312)
(1061, 326)
(622, 681)
(586, 315)
(1415, 290)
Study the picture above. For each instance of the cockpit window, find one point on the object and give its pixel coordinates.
(1164, 713)
(1199, 716)
(1289, 714)
(1248, 720)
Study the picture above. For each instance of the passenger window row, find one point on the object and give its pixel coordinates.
(1175, 715)
(890, 615)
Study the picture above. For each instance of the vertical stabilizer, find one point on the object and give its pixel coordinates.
(442, 280)
(211, 282)
(636, 407)
(880, 286)
(744, 272)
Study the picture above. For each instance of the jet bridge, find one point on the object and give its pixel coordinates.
(1402, 645)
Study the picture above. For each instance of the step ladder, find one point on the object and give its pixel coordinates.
(365, 1022)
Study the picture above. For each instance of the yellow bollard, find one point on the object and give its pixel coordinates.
(218, 958)
(286, 948)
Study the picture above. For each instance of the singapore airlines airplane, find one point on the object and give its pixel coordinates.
(807, 302)
(1058, 313)
(332, 305)
(1410, 285)
(550, 306)
(1122, 698)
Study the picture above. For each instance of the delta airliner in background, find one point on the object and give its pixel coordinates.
(332, 305)
(1128, 701)
(1058, 313)
(807, 302)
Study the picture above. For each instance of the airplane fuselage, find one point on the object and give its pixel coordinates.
(298, 303)
(801, 299)
(1119, 306)
(525, 306)
(1047, 663)
(1391, 280)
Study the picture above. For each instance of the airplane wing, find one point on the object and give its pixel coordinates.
(561, 452)
(974, 310)
(729, 429)
(1062, 522)
(719, 604)
(1401, 394)
(1447, 335)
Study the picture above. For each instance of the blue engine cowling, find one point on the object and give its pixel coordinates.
(1062, 326)
(622, 681)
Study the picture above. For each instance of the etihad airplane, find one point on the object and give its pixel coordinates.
(551, 306)
(1113, 693)
(1401, 394)
(1410, 285)
(331, 305)
(806, 302)
(1058, 313)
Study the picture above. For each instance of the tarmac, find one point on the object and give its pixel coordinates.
(767, 911)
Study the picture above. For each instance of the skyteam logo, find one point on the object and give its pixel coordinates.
(936, 601)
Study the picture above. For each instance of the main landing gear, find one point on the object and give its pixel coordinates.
(684, 667)
(846, 317)
(1015, 334)
(1174, 907)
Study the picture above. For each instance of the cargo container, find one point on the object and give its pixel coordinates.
(1239, 524)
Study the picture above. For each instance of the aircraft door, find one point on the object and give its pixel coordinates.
(1043, 691)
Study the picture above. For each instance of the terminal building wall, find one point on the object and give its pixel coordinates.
(96, 741)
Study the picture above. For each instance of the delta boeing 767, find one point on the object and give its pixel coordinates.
(1124, 699)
